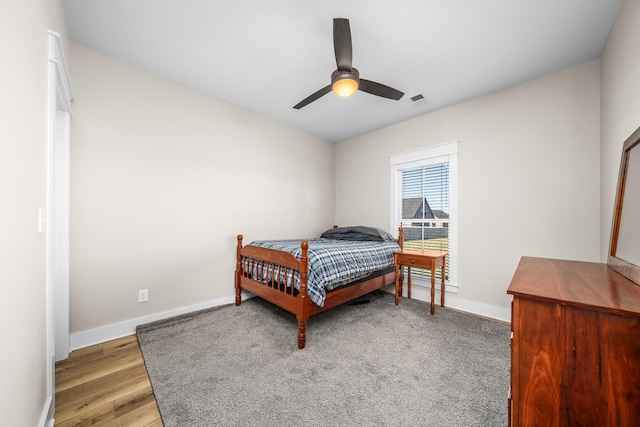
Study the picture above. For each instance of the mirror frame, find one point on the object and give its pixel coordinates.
(627, 269)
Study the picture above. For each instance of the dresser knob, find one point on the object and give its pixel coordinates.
(413, 261)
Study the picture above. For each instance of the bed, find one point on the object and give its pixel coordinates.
(306, 277)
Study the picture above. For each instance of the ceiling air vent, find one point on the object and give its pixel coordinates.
(419, 99)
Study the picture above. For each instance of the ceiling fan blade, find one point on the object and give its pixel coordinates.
(342, 43)
(379, 89)
(309, 99)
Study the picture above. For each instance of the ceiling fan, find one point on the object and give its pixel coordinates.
(345, 81)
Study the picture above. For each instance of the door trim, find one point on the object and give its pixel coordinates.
(57, 215)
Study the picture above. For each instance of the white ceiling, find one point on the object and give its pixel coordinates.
(266, 56)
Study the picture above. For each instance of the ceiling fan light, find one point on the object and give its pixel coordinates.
(345, 83)
(345, 87)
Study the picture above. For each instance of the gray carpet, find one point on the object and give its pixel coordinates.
(373, 364)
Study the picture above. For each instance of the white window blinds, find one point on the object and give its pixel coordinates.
(424, 207)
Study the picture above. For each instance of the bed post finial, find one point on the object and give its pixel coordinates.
(304, 268)
(400, 236)
(238, 269)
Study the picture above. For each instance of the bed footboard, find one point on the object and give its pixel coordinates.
(269, 274)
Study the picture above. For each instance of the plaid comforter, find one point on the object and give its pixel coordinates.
(335, 262)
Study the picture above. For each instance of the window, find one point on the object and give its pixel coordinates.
(423, 202)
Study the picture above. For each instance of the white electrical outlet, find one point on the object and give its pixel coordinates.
(143, 295)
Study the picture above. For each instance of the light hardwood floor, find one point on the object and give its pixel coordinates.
(105, 385)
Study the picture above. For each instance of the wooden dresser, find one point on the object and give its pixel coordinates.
(575, 351)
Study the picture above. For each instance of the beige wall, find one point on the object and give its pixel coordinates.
(24, 44)
(620, 108)
(164, 178)
(528, 178)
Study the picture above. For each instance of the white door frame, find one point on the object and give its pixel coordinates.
(57, 214)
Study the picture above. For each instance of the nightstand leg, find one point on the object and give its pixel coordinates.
(433, 288)
(442, 284)
(408, 282)
(397, 282)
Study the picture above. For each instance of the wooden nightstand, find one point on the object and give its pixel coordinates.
(422, 259)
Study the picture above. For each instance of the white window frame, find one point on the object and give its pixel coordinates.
(423, 157)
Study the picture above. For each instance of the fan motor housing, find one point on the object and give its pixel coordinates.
(338, 75)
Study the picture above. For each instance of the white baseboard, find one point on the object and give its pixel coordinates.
(47, 410)
(452, 300)
(128, 327)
